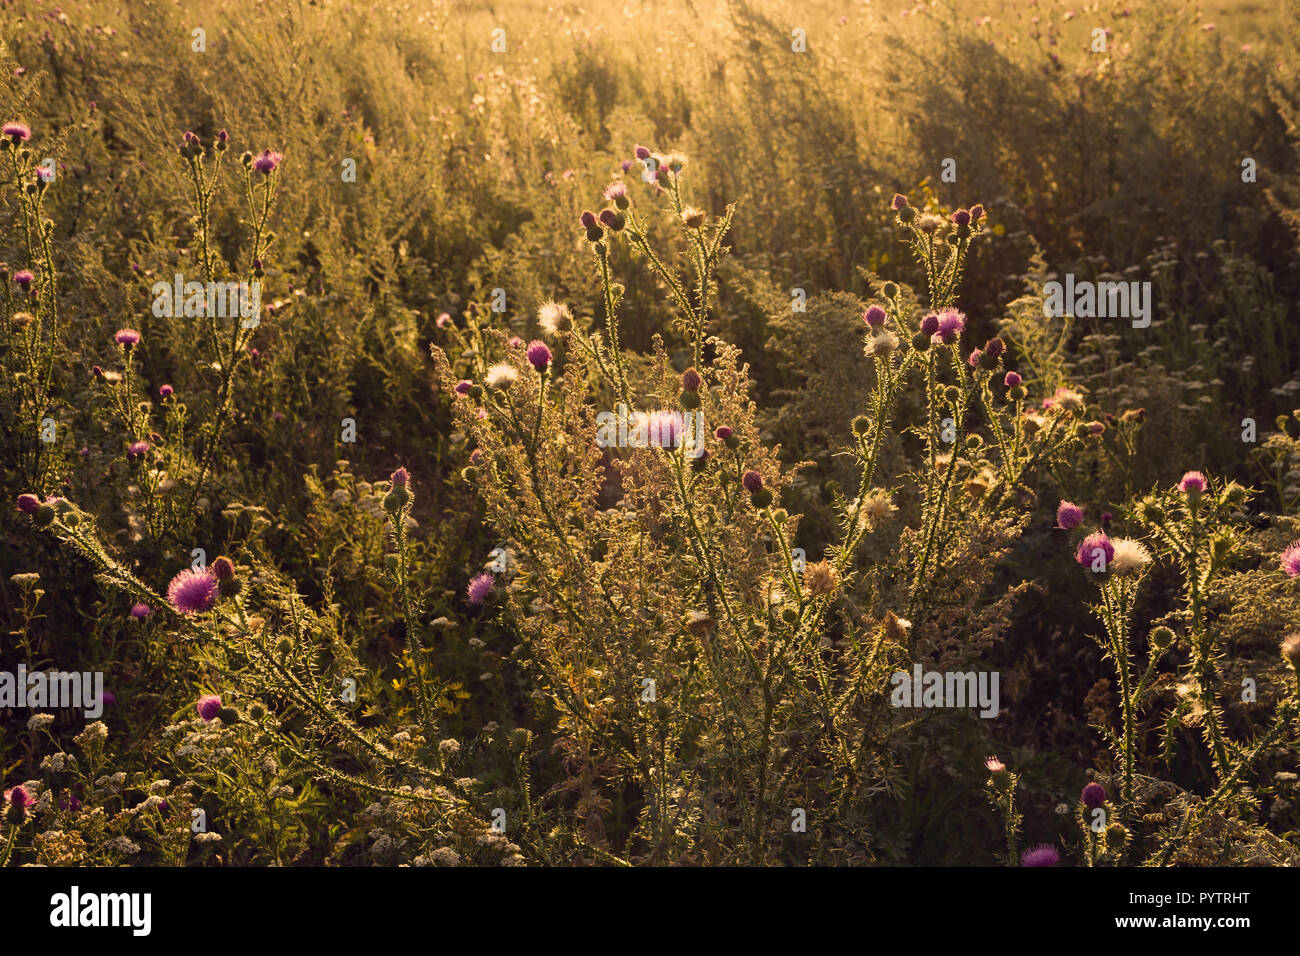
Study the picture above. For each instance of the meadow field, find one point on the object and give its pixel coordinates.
(734, 432)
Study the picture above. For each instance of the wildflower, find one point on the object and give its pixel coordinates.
(267, 162)
(463, 387)
(1193, 484)
(590, 223)
(961, 217)
(502, 375)
(539, 356)
(400, 478)
(976, 212)
(1290, 562)
(1291, 650)
(899, 202)
(1041, 855)
(877, 506)
(881, 344)
(611, 219)
(127, 338)
(821, 578)
(693, 217)
(28, 504)
(642, 153)
(140, 611)
(514, 342)
(39, 722)
(480, 586)
(691, 380)
(554, 318)
(1093, 796)
(752, 481)
(973, 360)
(136, 450)
(1089, 548)
(443, 321)
(1129, 555)
(166, 391)
(19, 797)
(951, 323)
(930, 324)
(18, 132)
(928, 224)
(722, 432)
(1012, 379)
(874, 316)
(208, 707)
(1066, 399)
(617, 194)
(192, 592)
(24, 278)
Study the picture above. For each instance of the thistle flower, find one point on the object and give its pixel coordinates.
(1193, 483)
(127, 338)
(821, 578)
(1066, 399)
(1012, 379)
(1068, 515)
(480, 586)
(554, 318)
(881, 345)
(463, 387)
(1089, 546)
(1129, 556)
(973, 360)
(899, 201)
(1041, 855)
(1093, 796)
(642, 153)
(208, 707)
(141, 611)
(165, 391)
(961, 217)
(539, 356)
(28, 504)
(19, 797)
(615, 191)
(1291, 650)
(928, 224)
(24, 278)
(267, 162)
(501, 375)
(192, 591)
(693, 217)
(976, 212)
(994, 765)
(1290, 562)
(443, 321)
(951, 324)
(877, 506)
(136, 450)
(874, 316)
(18, 132)
(930, 324)
(723, 432)
(752, 481)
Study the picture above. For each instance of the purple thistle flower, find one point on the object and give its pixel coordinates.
(1068, 515)
(930, 324)
(400, 478)
(24, 278)
(18, 132)
(752, 481)
(514, 342)
(539, 355)
(1089, 546)
(127, 337)
(268, 161)
(616, 190)
(1193, 483)
(463, 386)
(1042, 855)
(19, 797)
(209, 706)
(28, 504)
(588, 218)
(1012, 379)
(874, 316)
(951, 324)
(976, 212)
(626, 164)
(899, 201)
(140, 611)
(691, 380)
(642, 153)
(1093, 796)
(1290, 562)
(193, 592)
(995, 347)
(165, 391)
(608, 218)
(480, 586)
(443, 321)
(961, 217)
(136, 450)
(973, 360)
(722, 432)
